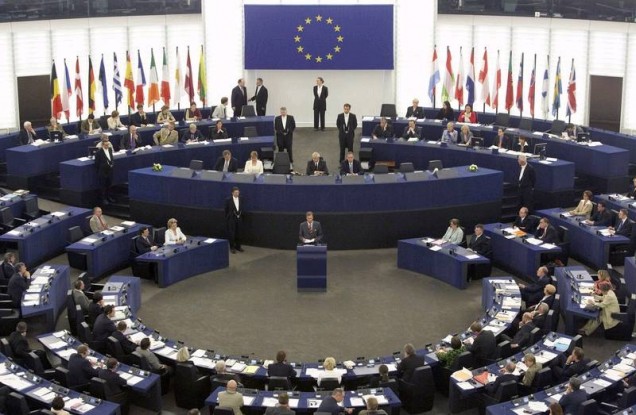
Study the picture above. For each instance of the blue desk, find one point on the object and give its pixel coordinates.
(47, 293)
(523, 259)
(104, 253)
(146, 393)
(270, 220)
(612, 138)
(44, 237)
(414, 255)
(17, 203)
(122, 290)
(41, 392)
(179, 262)
(617, 202)
(311, 268)
(585, 245)
(575, 286)
(629, 273)
(78, 177)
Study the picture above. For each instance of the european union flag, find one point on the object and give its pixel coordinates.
(319, 37)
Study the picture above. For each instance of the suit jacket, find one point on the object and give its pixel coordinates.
(231, 214)
(311, 167)
(281, 369)
(632, 191)
(86, 127)
(103, 164)
(533, 293)
(465, 139)
(548, 235)
(289, 127)
(528, 178)
(417, 112)
(218, 135)
(492, 387)
(527, 224)
(481, 245)
(602, 218)
(412, 134)
(233, 400)
(24, 136)
(571, 401)
(81, 299)
(114, 382)
(574, 369)
(320, 101)
(196, 136)
(139, 120)
(126, 139)
(625, 229)
(127, 346)
(19, 345)
(103, 328)
(528, 377)
(505, 143)
(17, 285)
(408, 365)
(346, 131)
(314, 233)
(7, 270)
(232, 166)
(80, 371)
(279, 410)
(261, 98)
(96, 225)
(608, 306)
(94, 310)
(239, 98)
(484, 348)
(329, 404)
(379, 132)
(549, 301)
(344, 167)
(165, 136)
(143, 245)
(522, 337)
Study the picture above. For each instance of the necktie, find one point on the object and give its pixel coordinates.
(132, 142)
(30, 137)
(316, 165)
(620, 225)
(310, 228)
(225, 165)
(351, 167)
(224, 116)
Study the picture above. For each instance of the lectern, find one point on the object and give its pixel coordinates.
(311, 268)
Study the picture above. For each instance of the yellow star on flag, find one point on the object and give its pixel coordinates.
(308, 56)
(319, 59)
(297, 39)
(329, 56)
(336, 28)
(300, 49)
(319, 18)
(308, 20)
(337, 49)
(340, 38)
(329, 20)
(299, 28)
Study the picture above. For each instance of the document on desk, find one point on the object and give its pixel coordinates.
(66, 353)
(435, 248)
(462, 375)
(473, 256)
(314, 403)
(223, 140)
(269, 401)
(356, 401)
(209, 240)
(545, 356)
(58, 214)
(45, 394)
(534, 241)
(367, 118)
(15, 382)
(203, 362)
(614, 374)
(548, 246)
(606, 232)
(247, 400)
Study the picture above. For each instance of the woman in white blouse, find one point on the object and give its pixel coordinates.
(330, 371)
(173, 233)
(253, 165)
(584, 208)
(454, 234)
(113, 121)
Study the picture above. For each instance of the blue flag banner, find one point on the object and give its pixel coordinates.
(318, 37)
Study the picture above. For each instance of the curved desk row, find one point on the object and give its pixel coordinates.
(576, 287)
(78, 177)
(25, 163)
(46, 294)
(350, 210)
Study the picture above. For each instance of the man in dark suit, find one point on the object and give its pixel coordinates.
(484, 346)
(321, 92)
(226, 163)
(525, 183)
(539, 316)
(260, 96)
(233, 219)
(310, 230)
(317, 166)
(412, 131)
(409, 363)
(573, 397)
(623, 225)
(282, 408)
(284, 126)
(548, 298)
(480, 243)
(532, 293)
(8, 266)
(383, 130)
(239, 97)
(104, 162)
(126, 344)
(501, 140)
(104, 326)
(18, 343)
(350, 166)
(218, 132)
(27, 134)
(602, 216)
(347, 124)
(144, 242)
(115, 384)
(526, 223)
(139, 118)
(281, 368)
(521, 339)
(80, 369)
(330, 403)
(415, 111)
(131, 140)
(192, 134)
(505, 375)
(95, 308)
(574, 365)
(546, 232)
(18, 284)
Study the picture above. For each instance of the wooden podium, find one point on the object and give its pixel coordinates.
(311, 268)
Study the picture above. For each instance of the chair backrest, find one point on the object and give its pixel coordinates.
(250, 131)
(217, 381)
(628, 399)
(329, 384)
(504, 349)
(525, 124)
(98, 388)
(196, 165)
(5, 347)
(558, 126)
(248, 111)
(62, 376)
(159, 235)
(33, 362)
(435, 164)
(84, 332)
(114, 348)
(223, 410)
(31, 207)
(75, 233)
(535, 335)
(6, 216)
(185, 373)
(17, 404)
(388, 110)
(278, 383)
(282, 165)
(542, 379)
(547, 325)
(380, 169)
(502, 119)
(406, 168)
(506, 391)
(589, 407)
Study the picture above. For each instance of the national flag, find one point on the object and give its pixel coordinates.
(470, 79)
(153, 90)
(545, 106)
(178, 86)
(56, 100)
(556, 101)
(141, 81)
(129, 83)
(509, 89)
(531, 90)
(459, 80)
(119, 92)
(483, 79)
(79, 100)
(66, 92)
(496, 86)
(188, 83)
(201, 87)
(449, 78)
(102, 83)
(520, 86)
(434, 79)
(91, 86)
(571, 108)
(165, 78)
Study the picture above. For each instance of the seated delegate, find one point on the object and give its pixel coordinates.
(454, 233)
(383, 130)
(253, 165)
(167, 135)
(465, 136)
(446, 112)
(193, 114)
(415, 111)
(584, 208)
(173, 234)
(317, 166)
(467, 115)
(449, 135)
(218, 132)
(114, 122)
(350, 166)
(412, 131)
(226, 163)
(192, 135)
(165, 116)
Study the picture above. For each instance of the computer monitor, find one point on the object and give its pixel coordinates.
(56, 135)
(92, 151)
(540, 150)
